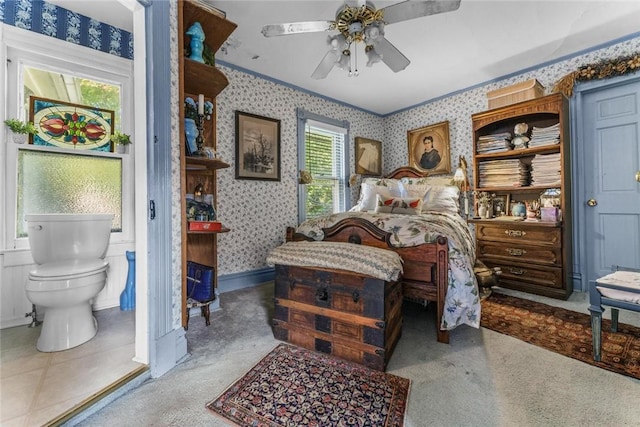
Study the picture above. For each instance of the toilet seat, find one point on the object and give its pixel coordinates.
(68, 270)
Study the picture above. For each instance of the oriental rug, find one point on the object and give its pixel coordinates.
(292, 386)
(563, 331)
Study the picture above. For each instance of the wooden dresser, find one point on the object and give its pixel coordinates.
(535, 256)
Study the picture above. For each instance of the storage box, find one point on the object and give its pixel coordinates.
(519, 92)
(205, 226)
(549, 214)
(342, 313)
(200, 285)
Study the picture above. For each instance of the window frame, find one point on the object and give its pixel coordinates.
(25, 48)
(303, 116)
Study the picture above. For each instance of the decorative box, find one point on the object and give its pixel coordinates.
(519, 92)
(549, 214)
(205, 226)
(200, 286)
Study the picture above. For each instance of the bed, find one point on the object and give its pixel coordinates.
(420, 222)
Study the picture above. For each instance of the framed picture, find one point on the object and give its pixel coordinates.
(429, 149)
(257, 147)
(65, 125)
(500, 205)
(368, 156)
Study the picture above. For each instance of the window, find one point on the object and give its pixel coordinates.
(49, 179)
(61, 182)
(322, 151)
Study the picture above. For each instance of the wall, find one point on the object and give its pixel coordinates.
(258, 211)
(54, 21)
(458, 108)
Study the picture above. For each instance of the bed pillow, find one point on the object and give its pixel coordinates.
(414, 187)
(442, 198)
(399, 205)
(373, 186)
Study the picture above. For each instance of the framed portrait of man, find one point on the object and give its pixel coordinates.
(429, 148)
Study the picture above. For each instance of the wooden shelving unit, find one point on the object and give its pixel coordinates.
(535, 257)
(198, 78)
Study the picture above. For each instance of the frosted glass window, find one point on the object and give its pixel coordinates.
(50, 182)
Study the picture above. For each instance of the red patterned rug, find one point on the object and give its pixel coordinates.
(563, 331)
(292, 386)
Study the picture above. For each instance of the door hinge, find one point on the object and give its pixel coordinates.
(152, 209)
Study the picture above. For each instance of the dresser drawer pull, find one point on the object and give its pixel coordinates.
(516, 252)
(515, 233)
(516, 271)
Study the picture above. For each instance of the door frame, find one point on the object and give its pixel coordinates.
(578, 195)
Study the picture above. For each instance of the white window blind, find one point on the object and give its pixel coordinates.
(325, 157)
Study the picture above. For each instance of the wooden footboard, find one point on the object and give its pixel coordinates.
(425, 267)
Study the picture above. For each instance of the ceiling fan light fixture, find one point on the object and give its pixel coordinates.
(363, 23)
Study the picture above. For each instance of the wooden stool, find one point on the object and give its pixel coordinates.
(620, 289)
(204, 310)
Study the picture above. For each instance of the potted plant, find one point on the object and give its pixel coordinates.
(20, 129)
(121, 140)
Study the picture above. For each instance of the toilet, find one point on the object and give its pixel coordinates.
(69, 250)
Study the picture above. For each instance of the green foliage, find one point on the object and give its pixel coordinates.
(101, 95)
(18, 126)
(121, 138)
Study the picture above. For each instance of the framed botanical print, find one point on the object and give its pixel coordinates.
(66, 125)
(368, 156)
(429, 148)
(257, 147)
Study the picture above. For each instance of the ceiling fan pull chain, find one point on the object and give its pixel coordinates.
(356, 73)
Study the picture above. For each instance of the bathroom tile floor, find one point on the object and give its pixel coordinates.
(37, 387)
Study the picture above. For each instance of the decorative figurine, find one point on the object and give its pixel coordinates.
(520, 139)
(197, 39)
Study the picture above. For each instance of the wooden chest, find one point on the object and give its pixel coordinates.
(354, 317)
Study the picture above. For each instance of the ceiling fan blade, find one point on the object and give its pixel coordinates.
(391, 55)
(415, 9)
(326, 65)
(295, 28)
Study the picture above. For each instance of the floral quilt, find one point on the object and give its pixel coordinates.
(462, 302)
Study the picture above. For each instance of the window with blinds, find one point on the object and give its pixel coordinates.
(325, 157)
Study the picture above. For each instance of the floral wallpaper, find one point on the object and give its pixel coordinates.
(51, 20)
(258, 212)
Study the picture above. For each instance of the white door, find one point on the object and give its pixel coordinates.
(611, 198)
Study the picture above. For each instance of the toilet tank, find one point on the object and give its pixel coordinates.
(58, 237)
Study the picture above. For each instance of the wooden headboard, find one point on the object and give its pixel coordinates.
(406, 171)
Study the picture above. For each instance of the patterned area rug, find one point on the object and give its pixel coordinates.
(563, 331)
(292, 386)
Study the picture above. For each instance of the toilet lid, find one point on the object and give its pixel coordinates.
(63, 270)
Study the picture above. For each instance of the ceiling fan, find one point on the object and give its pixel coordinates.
(362, 22)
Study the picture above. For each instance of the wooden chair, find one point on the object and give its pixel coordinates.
(620, 289)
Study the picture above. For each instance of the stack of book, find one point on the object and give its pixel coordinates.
(504, 173)
(545, 136)
(493, 143)
(545, 169)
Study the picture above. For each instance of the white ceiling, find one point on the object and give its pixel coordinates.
(477, 43)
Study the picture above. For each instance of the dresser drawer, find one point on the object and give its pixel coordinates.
(520, 252)
(516, 232)
(518, 273)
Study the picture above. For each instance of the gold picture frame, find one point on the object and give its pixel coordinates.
(429, 148)
(368, 155)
